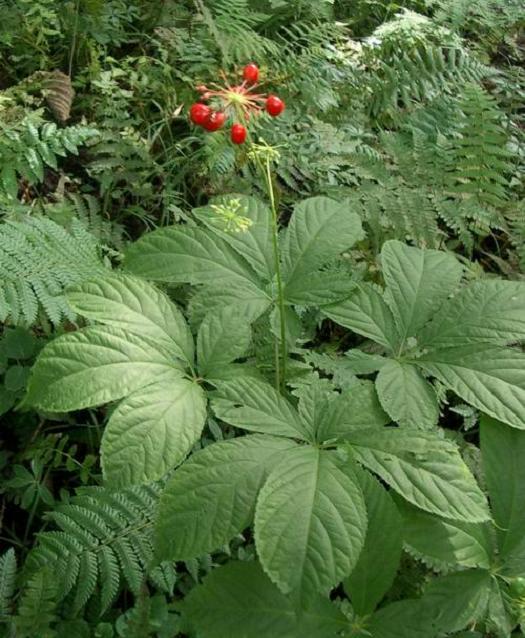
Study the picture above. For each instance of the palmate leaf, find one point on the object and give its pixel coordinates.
(310, 522)
(242, 263)
(239, 601)
(152, 430)
(131, 304)
(461, 343)
(211, 498)
(140, 356)
(379, 560)
(423, 468)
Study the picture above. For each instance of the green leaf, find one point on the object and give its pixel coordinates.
(319, 230)
(406, 395)
(211, 497)
(253, 404)
(418, 282)
(136, 306)
(366, 313)
(239, 600)
(223, 337)
(379, 560)
(398, 620)
(254, 243)
(93, 366)
(18, 343)
(152, 431)
(451, 603)
(310, 522)
(442, 543)
(486, 311)
(425, 469)
(189, 255)
(356, 408)
(490, 378)
(319, 288)
(503, 454)
(315, 398)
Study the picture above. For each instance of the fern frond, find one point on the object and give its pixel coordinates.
(481, 159)
(7, 581)
(104, 543)
(36, 610)
(38, 260)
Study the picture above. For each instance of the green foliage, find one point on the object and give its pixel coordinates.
(103, 546)
(426, 330)
(304, 378)
(29, 146)
(38, 260)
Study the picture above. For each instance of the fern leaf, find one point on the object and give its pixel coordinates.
(7, 581)
(38, 260)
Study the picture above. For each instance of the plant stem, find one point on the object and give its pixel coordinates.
(280, 375)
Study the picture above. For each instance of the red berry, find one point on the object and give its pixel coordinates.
(238, 134)
(214, 121)
(199, 113)
(251, 73)
(274, 105)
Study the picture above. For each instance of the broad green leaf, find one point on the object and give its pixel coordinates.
(366, 313)
(485, 312)
(180, 255)
(501, 617)
(407, 396)
(93, 366)
(211, 497)
(425, 469)
(503, 455)
(310, 522)
(252, 404)
(360, 362)
(253, 242)
(315, 399)
(356, 408)
(398, 620)
(443, 543)
(238, 600)
(418, 282)
(319, 288)
(319, 230)
(152, 430)
(379, 560)
(490, 378)
(136, 306)
(451, 603)
(223, 337)
(212, 299)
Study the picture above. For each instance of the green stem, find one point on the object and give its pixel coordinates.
(280, 378)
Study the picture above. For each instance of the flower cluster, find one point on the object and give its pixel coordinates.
(218, 104)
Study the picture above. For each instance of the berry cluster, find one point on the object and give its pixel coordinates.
(236, 102)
